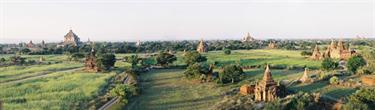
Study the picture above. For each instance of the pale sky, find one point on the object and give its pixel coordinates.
(131, 20)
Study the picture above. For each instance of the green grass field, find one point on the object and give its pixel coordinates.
(167, 89)
(161, 89)
(56, 91)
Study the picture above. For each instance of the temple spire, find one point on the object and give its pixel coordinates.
(267, 74)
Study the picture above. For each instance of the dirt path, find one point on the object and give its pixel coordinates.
(168, 90)
(41, 75)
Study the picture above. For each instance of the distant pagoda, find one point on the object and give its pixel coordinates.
(30, 44)
(338, 51)
(202, 47)
(43, 44)
(248, 38)
(305, 77)
(316, 55)
(272, 45)
(266, 89)
(71, 39)
(90, 62)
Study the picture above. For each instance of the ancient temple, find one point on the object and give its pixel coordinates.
(139, 43)
(30, 44)
(316, 55)
(272, 45)
(90, 63)
(248, 38)
(71, 39)
(338, 51)
(43, 44)
(305, 77)
(202, 47)
(266, 89)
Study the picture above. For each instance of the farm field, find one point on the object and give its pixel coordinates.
(168, 89)
(59, 85)
(251, 57)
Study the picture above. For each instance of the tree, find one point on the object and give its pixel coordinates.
(329, 64)
(192, 57)
(355, 62)
(196, 70)
(106, 61)
(227, 51)
(133, 60)
(2, 60)
(230, 73)
(77, 56)
(306, 53)
(334, 80)
(123, 92)
(17, 60)
(25, 51)
(164, 58)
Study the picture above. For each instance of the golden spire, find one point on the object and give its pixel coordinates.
(267, 74)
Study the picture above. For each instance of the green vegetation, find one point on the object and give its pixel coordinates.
(356, 62)
(329, 64)
(230, 74)
(168, 89)
(227, 51)
(123, 92)
(106, 61)
(56, 91)
(164, 58)
(192, 57)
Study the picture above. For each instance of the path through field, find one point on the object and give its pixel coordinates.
(168, 90)
(40, 75)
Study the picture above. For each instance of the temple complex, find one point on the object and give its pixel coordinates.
(316, 55)
(266, 89)
(202, 47)
(30, 44)
(248, 38)
(71, 39)
(90, 63)
(338, 51)
(272, 45)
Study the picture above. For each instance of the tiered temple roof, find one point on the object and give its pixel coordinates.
(71, 39)
(202, 47)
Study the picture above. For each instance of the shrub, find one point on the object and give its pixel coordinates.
(193, 57)
(106, 61)
(164, 58)
(355, 62)
(227, 51)
(328, 64)
(306, 53)
(230, 74)
(334, 80)
(196, 70)
(17, 60)
(76, 56)
(123, 91)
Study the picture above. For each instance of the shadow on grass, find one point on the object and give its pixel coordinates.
(310, 87)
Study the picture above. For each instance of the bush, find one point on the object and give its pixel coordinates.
(196, 70)
(355, 62)
(328, 64)
(306, 53)
(17, 60)
(76, 56)
(193, 57)
(227, 51)
(123, 91)
(106, 61)
(334, 80)
(164, 58)
(230, 74)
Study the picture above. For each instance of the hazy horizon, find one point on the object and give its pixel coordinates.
(131, 20)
